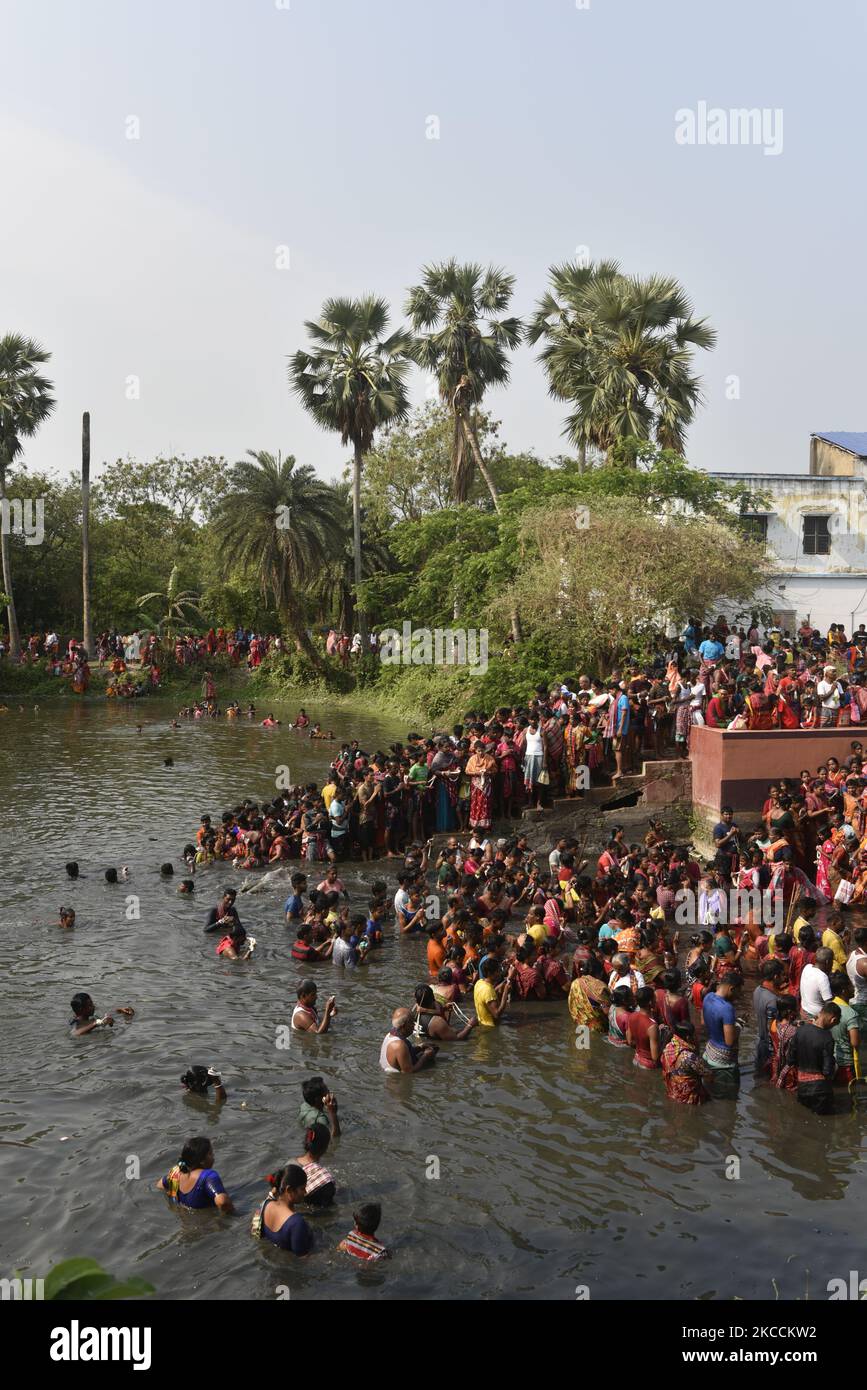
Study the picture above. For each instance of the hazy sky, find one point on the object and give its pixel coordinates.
(304, 123)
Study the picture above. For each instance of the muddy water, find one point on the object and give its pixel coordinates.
(559, 1170)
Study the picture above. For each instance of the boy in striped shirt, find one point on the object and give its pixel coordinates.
(361, 1242)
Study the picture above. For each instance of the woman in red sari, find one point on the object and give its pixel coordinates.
(481, 768)
(784, 1072)
(510, 779)
(683, 1069)
(552, 729)
(761, 710)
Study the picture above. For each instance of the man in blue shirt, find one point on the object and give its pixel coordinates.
(622, 713)
(711, 649)
(723, 1031)
(294, 906)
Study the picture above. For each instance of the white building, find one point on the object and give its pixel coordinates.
(815, 527)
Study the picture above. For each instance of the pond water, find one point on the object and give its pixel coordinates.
(559, 1170)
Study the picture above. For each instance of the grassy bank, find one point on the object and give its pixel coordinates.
(424, 697)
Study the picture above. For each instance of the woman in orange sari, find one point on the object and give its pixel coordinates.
(481, 768)
(589, 1000)
(683, 1069)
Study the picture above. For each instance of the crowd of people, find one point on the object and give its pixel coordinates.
(657, 951)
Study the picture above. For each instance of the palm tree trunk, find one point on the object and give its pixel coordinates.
(295, 626)
(473, 442)
(14, 635)
(358, 461)
(86, 622)
(582, 459)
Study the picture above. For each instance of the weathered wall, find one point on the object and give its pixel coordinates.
(734, 769)
(829, 460)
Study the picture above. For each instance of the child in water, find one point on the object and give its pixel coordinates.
(361, 1242)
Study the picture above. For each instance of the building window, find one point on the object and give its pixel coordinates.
(817, 539)
(755, 528)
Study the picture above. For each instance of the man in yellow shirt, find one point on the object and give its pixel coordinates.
(329, 791)
(537, 931)
(491, 999)
(833, 940)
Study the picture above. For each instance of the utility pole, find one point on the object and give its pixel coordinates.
(87, 624)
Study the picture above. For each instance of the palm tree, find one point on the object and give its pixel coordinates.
(353, 381)
(26, 400)
(281, 522)
(178, 603)
(465, 344)
(620, 348)
(333, 590)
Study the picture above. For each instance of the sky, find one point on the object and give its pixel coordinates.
(161, 163)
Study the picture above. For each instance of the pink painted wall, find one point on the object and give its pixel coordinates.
(734, 769)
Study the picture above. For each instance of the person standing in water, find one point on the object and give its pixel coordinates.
(397, 1053)
(194, 1182)
(276, 1220)
(84, 1019)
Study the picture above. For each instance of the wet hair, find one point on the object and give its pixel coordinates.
(194, 1153)
(166, 870)
(78, 1002)
(424, 996)
(72, 869)
(313, 1089)
(316, 1140)
(111, 875)
(787, 1006)
(622, 998)
(196, 1080)
(306, 987)
(832, 1010)
(368, 1217)
(290, 1178)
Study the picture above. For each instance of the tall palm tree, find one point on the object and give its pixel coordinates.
(179, 604)
(620, 349)
(26, 400)
(281, 522)
(333, 590)
(465, 343)
(353, 381)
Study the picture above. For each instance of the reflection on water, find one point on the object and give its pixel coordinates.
(558, 1168)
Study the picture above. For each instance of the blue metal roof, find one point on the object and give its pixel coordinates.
(855, 441)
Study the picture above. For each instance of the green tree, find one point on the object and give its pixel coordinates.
(353, 382)
(461, 338)
(282, 524)
(178, 603)
(332, 591)
(187, 490)
(619, 348)
(409, 473)
(586, 582)
(26, 401)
